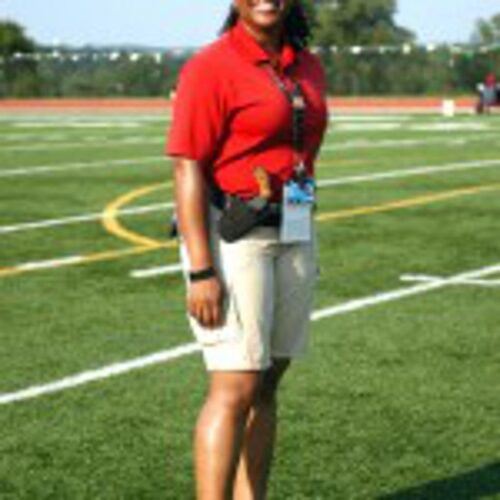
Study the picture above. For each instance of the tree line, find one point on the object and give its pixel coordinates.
(363, 49)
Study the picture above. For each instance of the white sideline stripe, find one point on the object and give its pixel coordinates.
(400, 293)
(409, 172)
(41, 169)
(424, 278)
(75, 125)
(11, 139)
(99, 374)
(156, 271)
(366, 144)
(80, 116)
(51, 264)
(186, 349)
(83, 144)
(76, 219)
(375, 118)
(391, 174)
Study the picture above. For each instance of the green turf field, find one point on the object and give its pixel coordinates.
(398, 398)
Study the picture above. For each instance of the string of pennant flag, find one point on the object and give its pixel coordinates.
(134, 56)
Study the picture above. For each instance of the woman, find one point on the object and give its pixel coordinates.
(248, 122)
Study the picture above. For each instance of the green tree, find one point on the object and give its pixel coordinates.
(18, 71)
(358, 22)
(487, 31)
(14, 40)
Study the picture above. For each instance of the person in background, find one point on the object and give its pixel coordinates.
(248, 121)
(488, 94)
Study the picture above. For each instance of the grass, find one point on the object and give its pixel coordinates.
(395, 401)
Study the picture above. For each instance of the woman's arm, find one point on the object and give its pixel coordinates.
(204, 298)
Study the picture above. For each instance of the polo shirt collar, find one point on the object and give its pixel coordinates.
(248, 47)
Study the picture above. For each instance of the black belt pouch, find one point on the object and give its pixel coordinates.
(239, 218)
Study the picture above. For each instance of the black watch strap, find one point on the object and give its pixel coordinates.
(203, 274)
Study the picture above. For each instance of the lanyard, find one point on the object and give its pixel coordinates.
(297, 102)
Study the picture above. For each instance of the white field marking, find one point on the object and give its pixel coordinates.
(51, 264)
(356, 127)
(187, 349)
(423, 278)
(77, 219)
(42, 169)
(98, 140)
(406, 110)
(405, 126)
(391, 174)
(99, 374)
(375, 118)
(399, 143)
(63, 118)
(156, 271)
(79, 124)
(17, 140)
(400, 293)
(128, 141)
(8, 137)
(450, 126)
(409, 172)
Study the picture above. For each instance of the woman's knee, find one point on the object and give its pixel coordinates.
(235, 391)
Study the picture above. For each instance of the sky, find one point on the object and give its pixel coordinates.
(181, 23)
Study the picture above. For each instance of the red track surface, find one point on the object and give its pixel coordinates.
(389, 104)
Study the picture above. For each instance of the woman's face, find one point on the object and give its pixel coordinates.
(263, 15)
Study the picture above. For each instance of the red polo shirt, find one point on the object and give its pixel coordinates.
(231, 116)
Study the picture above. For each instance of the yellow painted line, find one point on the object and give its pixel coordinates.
(153, 245)
(112, 224)
(407, 202)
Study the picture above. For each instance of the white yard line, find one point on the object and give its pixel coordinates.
(411, 171)
(424, 278)
(80, 116)
(76, 219)
(391, 174)
(42, 169)
(11, 138)
(400, 293)
(99, 374)
(456, 140)
(357, 144)
(366, 118)
(156, 271)
(187, 349)
(129, 141)
(78, 125)
(51, 264)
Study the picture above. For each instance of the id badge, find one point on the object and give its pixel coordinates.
(298, 202)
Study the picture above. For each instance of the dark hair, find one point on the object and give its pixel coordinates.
(297, 26)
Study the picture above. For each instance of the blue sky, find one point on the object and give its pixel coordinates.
(173, 23)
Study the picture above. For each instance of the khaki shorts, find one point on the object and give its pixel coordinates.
(269, 291)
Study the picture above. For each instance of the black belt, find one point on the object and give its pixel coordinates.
(272, 217)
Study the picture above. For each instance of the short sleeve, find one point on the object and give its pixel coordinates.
(199, 112)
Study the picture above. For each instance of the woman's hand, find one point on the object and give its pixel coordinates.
(205, 302)
(204, 297)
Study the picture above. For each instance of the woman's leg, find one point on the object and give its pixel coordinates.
(259, 437)
(220, 430)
